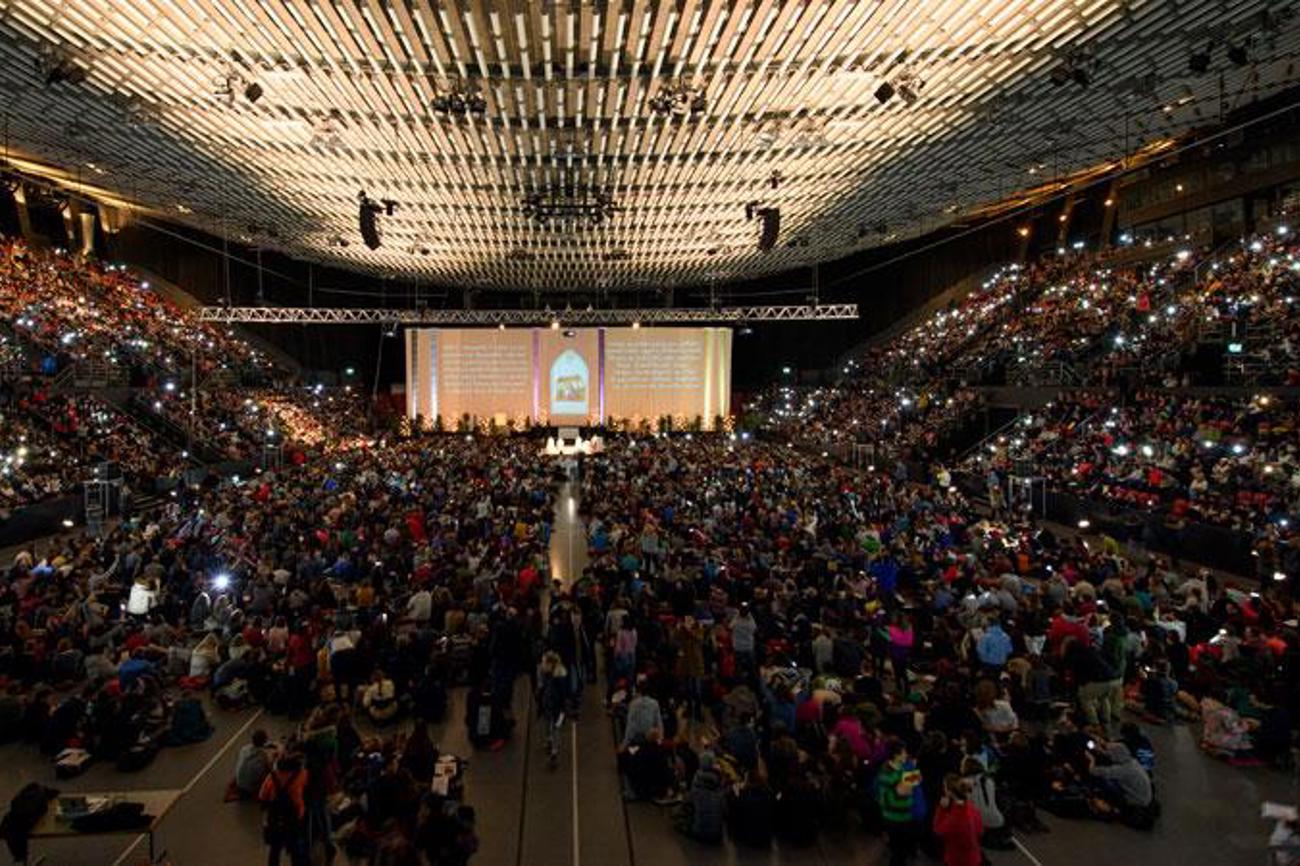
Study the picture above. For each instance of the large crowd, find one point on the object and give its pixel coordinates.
(1217, 460)
(55, 442)
(76, 310)
(330, 587)
(786, 642)
(768, 627)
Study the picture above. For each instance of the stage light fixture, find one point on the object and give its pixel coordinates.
(884, 92)
(1239, 54)
(253, 92)
(1060, 75)
(1199, 61)
(680, 99)
(573, 206)
(460, 103)
(1081, 76)
(909, 87)
(57, 65)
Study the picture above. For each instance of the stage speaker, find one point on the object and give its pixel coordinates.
(369, 229)
(771, 217)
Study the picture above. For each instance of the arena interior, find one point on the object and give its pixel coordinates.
(649, 432)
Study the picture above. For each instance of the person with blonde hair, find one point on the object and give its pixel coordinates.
(552, 700)
(958, 825)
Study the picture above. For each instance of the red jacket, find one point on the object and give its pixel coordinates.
(958, 826)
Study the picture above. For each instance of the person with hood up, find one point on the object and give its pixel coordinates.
(701, 816)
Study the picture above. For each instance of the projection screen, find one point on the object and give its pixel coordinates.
(568, 377)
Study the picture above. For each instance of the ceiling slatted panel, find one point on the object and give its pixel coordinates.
(348, 89)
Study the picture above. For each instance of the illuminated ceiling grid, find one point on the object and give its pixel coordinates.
(349, 86)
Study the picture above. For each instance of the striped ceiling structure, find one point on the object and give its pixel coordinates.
(862, 121)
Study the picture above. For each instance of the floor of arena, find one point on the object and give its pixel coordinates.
(530, 814)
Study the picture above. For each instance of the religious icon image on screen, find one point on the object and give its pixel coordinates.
(570, 384)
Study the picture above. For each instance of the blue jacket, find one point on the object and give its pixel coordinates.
(994, 647)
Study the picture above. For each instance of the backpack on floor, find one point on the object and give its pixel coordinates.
(189, 723)
(139, 755)
(233, 696)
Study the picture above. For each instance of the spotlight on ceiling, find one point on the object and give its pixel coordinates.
(906, 84)
(1199, 61)
(56, 65)
(253, 92)
(680, 99)
(1078, 68)
(460, 103)
(1239, 54)
(909, 87)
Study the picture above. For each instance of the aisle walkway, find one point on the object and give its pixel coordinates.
(568, 554)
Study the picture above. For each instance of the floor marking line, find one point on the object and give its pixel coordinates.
(203, 771)
(221, 753)
(1026, 851)
(577, 842)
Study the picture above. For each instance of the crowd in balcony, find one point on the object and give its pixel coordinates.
(1231, 462)
(61, 312)
(79, 310)
(54, 442)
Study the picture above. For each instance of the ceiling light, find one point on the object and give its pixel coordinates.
(1238, 54)
(679, 99)
(57, 65)
(884, 92)
(460, 103)
(253, 92)
(1199, 61)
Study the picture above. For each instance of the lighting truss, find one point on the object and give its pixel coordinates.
(642, 316)
(570, 206)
